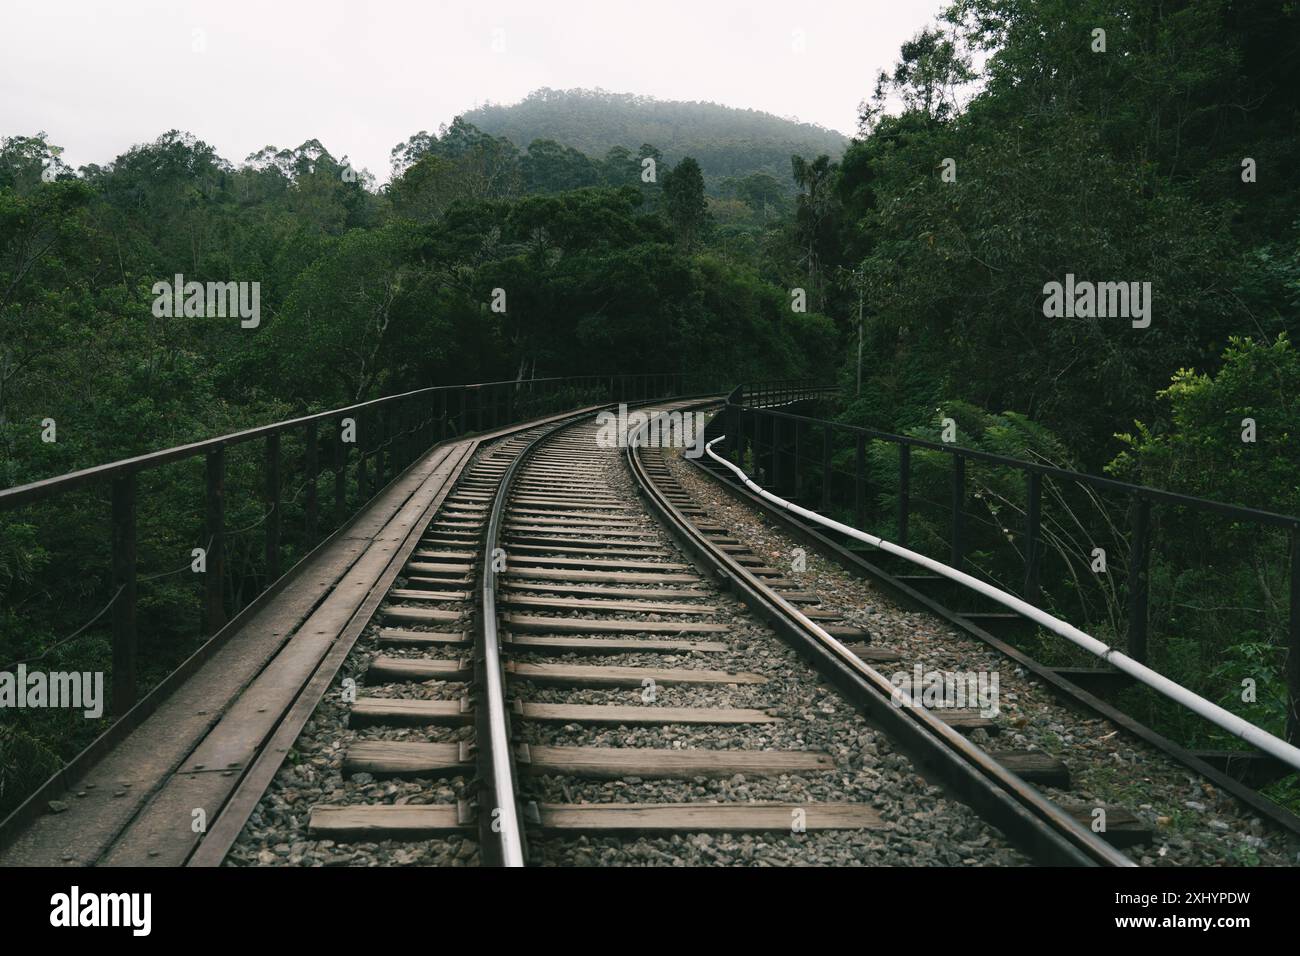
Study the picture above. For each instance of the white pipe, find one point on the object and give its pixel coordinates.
(1212, 712)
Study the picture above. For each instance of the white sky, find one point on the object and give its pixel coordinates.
(363, 76)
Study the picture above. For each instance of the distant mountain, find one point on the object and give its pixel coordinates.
(724, 140)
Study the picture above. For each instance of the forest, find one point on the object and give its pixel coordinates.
(726, 142)
(1011, 144)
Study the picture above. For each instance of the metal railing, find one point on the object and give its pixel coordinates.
(796, 456)
(780, 392)
(1230, 722)
(364, 446)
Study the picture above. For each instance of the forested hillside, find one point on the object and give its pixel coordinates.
(727, 142)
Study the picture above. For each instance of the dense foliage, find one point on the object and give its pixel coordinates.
(1029, 147)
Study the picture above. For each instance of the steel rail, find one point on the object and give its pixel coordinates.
(1039, 827)
(1212, 712)
(501, 829)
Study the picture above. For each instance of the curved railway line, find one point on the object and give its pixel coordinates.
(648, 690)
(553, 651)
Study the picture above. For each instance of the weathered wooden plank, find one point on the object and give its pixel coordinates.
(437, 583)
(1035, 767)
(420, 594)
(435, 570)
(717, 817)
(612, 524)
(578, 541)
(661, 762)
(384, 669)
(580, 675)
(609, 549)
(446, 556)
(535, 561)
(640, 715)
(383, 822)
(514, 527)
(608, 592)
(605, 505)
(394, 710)
(603, 577)
(420, 615)
(1123, 829)
(875, 655)
(580, 604)
(609, 645)
(560, 625)
(406, 758)
(845, 630)
(398, 636)
(964, 719)
(599, 518)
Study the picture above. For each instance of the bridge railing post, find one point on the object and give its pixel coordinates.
(1033, 517)
(828, 476)
(1138, 582)
(798, 463)
(1293, 646)
(733, 432)
(958, 509)
(363, 429)
(340, 474)
(214, 611)
(860, 482)
(312, 465)
(125, 641)
(273, 507)
(778, 469)
(904, 490)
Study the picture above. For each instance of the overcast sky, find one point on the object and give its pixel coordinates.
(362, 76)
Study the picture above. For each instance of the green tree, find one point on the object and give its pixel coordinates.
(684, 204)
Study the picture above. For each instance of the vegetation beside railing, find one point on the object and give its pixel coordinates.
(1205, 592)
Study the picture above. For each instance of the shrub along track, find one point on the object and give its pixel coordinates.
(656, 717)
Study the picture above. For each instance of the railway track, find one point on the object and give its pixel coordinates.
(575, 666)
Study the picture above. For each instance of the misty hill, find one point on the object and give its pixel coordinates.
(726, 141)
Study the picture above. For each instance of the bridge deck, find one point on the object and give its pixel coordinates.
(134, 802)
(136, 805)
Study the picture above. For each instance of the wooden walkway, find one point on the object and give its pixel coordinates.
(212, 741)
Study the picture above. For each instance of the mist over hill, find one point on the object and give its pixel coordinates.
(724, 140)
